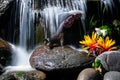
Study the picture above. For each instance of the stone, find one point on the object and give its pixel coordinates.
(88, 74)
(1, 69)
(7, 77)
(112, 75)
(36, 75)
(59, 58)
(4, 45)
(21, 75)
(110, 60)
(5, 54)
(67, 19)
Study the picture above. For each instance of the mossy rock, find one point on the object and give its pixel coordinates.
(21, 75)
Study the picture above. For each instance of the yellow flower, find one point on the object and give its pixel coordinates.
(90, 42)
(106, 44)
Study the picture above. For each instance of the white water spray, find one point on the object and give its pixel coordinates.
(20, 58)
(109, 4)
(53, 15)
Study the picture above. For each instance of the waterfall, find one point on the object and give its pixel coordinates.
(22, 52)
(54, 13)
(26, 24)
(109, 4)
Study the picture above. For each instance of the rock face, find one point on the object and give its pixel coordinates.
(110, 60)
(112, 75)
(88, 74)
(6, 13)
(5, 54)
(58, 58)
(30, 75)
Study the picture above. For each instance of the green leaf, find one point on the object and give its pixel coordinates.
(93, 65)
(97, 61)
(97, 65)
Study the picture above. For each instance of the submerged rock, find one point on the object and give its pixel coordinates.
(20, 75)
(89, 74)
(110, 60)
(58, 58)
(112, 75)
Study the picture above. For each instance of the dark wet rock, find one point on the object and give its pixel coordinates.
(20, 75)
(5, 54)
(110, 60)
(4, 45)
(58, 58)
(67, 19)
(37, 75)
(7, 77)
(89, 74)
(60, 63)
(8, 19)
(1, 69)
(112, 75)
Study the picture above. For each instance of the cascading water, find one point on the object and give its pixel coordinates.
(52, 15)
(55, 12)
(21, 56)
(26, 24)
(20, 60)
(109, 4)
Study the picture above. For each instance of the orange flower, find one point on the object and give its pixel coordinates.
(97, 45)
(106, 44)
(90, 42)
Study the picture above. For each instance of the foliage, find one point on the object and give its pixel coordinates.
(19, 74)
(97, 65)
(107, 28)
(116, 24)
(97, 44)
(93, 22)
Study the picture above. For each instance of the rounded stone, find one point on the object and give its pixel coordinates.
(58, 58)
(88, 74)
(112, 75)
(21, 75)
(110, 60)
